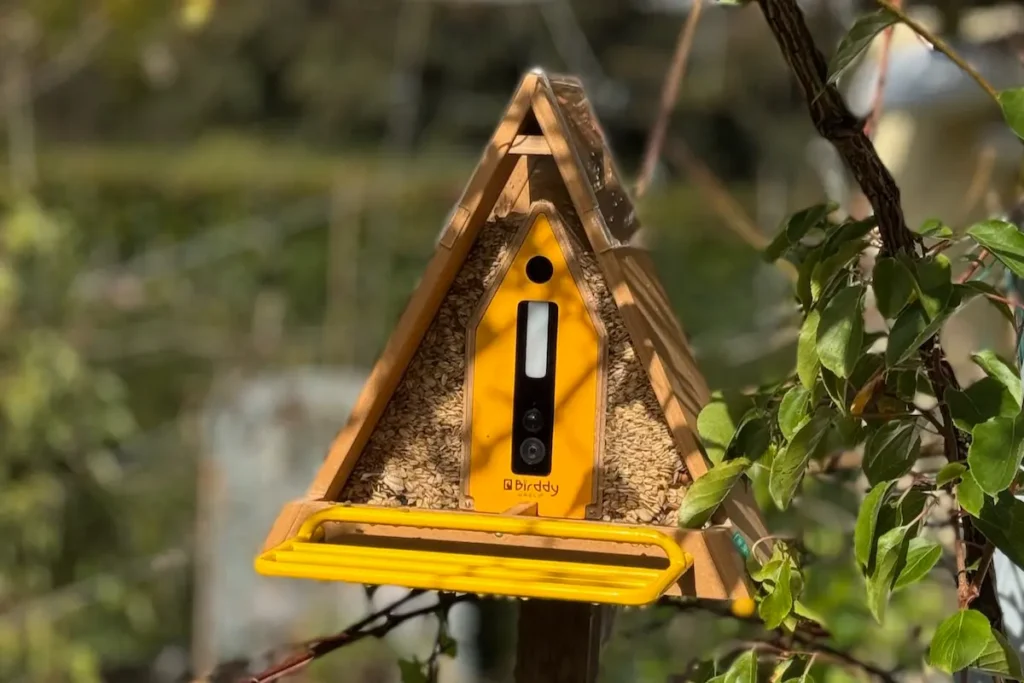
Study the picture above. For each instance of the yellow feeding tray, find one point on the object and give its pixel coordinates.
(474, 567)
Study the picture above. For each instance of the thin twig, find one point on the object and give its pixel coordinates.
(983, 567)
(969, 273)
(942, 47)
(883, 72)
(669, 95)
(734, 217)
(362, 629)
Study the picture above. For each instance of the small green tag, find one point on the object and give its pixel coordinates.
(741, 544)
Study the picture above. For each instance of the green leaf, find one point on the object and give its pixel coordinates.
(845, 434)
(841, 331)
(891, 451)
(996, 452)
(911, 329)
(706, 493)
(835, 388)
(1003, 240)
(934, 284)
(803, 280)
(777, 605)
(743, 669)
(793, 412)
(922, 555)
(969, 494)
(718, 422)
(751, 439)
(935, 228)
(999, 658)
(796, 226)
(789, 464)
(807, 361)
(857, 40)
(911, 505)
(779, 672)
(827, 271)
(1001, 370)
(867, 523)
(959, 640)
(769, 571)
(412, 671)
(949, 472)
(1002, 522)
(801, 222)
(983, 400)
(1012, 103)
(846, 232)
(890, 558)
(893, 284)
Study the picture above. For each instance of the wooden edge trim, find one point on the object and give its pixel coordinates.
(496, 150)
(569, 166)
(530, 144)
(682, 435)
(291, 517)
(729, 564)
(522, 510)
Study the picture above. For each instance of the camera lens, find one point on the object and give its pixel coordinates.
(533, 420)
(532, 451)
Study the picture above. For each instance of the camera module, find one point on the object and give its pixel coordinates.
(533, 421)
(532, 450)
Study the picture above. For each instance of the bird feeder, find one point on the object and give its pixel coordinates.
(528, 430)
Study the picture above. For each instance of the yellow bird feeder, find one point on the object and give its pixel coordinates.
(529, 428)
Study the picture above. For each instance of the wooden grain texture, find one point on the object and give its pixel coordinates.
(558, 642)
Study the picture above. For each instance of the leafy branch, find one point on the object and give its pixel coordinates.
(884, 393)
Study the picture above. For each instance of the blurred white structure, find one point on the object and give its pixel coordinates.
(264, 439)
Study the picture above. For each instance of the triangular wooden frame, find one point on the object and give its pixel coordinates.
(568, 131)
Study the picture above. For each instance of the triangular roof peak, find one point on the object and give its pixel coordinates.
(547, 115)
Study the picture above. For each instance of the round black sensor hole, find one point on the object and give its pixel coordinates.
(539, 269)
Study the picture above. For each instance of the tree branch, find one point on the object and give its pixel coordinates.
(375, 625)
(834, 121)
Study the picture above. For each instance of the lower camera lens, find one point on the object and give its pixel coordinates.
(532, 451)
(533, 420)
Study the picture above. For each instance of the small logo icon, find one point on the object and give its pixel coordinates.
(508, 484)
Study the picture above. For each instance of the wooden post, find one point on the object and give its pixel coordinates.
(558, 642)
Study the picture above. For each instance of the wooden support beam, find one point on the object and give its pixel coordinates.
(558, 642)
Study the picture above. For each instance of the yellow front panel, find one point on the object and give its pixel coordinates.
(492, 484)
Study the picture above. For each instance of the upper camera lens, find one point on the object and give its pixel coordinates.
(532, 451)
(533, 421)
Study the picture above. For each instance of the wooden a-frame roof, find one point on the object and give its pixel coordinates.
(569, 131)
